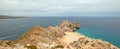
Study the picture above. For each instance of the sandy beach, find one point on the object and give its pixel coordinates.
(70, 37)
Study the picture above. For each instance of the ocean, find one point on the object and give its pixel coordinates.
(105, 28)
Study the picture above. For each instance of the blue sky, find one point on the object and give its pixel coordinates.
(60, 8)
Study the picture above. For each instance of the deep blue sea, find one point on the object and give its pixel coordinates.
(106, 28)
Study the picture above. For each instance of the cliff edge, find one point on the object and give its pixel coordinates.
(62, 36)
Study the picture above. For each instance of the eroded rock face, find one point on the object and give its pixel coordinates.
(76, 25)
(55, 38)
(68, 26)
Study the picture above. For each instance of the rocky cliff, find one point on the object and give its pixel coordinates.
(62, 36)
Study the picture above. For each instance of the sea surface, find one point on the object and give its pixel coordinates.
(105, 28)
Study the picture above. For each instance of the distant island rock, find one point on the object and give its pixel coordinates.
(10, 17)
(62, 36)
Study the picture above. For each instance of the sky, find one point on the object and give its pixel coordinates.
(96, 8)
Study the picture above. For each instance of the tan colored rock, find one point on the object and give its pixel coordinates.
(76, 25)
(67, 26)
(58, 37)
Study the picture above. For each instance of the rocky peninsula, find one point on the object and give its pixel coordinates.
(62, 36)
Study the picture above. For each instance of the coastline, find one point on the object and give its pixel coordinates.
(61, 36)
(10, 17)
(89, 34)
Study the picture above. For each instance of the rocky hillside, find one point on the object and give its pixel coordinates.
(10, 17)
(62, 36)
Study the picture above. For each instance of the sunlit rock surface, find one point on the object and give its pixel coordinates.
(62, 36)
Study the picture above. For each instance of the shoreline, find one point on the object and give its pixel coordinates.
(11, 18)
(62, 36)
(98, 38)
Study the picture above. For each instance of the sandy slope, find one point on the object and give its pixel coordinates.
(70, 37)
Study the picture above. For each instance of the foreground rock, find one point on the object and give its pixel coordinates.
(62, 36)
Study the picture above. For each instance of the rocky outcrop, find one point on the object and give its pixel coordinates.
(88, 43)
(62, 36)
(68, 26)
(76, 25)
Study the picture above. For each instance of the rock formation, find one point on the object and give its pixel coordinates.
(68, 26)
(62, 36)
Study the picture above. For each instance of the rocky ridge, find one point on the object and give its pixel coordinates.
(62, 36)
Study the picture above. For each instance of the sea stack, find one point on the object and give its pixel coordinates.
(62, 36)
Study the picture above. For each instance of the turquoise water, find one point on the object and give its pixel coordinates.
(106, 28)
(97, 34)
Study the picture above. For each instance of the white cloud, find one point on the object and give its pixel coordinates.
(54, 7)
